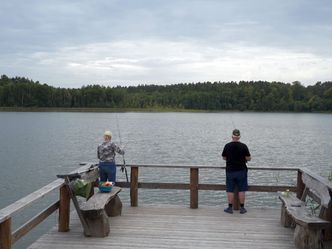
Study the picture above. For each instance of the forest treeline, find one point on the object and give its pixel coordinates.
(216, 96)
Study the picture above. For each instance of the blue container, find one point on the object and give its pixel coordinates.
(105, 189)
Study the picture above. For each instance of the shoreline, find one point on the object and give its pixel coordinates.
(93, 109)
(112, 110)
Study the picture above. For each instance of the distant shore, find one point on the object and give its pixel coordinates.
(94, 109)
(110, 110)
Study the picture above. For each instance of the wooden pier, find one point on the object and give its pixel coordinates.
(190, 225)
(178, 227)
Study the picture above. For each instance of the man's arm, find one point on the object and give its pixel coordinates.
(223, 154)
(98, 154)
(119, 150)
(247, 154)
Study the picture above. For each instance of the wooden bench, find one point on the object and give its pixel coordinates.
(94, 212)
(97, 209)
(309, 228)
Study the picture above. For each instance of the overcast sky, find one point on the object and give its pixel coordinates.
(122, 42)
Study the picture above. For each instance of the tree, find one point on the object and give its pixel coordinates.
(243, 96)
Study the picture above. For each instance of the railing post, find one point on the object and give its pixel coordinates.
(134, 186)
(6, 234)
(193, 187)
(300, 185)
(328, 235)
(236, 199)
(328, 216)
(64, 210)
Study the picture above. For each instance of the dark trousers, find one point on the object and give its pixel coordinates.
(107, 171)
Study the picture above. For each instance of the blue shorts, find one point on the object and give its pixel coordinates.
(107, 171)
(237, 178)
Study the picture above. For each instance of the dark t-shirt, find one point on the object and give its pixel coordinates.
(235, 153)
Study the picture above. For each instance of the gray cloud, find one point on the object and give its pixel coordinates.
(71, 43)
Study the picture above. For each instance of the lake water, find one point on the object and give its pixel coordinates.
(34, 147)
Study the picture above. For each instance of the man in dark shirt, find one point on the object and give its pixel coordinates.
(236, 155)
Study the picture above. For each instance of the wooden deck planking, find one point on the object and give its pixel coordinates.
(179, 227)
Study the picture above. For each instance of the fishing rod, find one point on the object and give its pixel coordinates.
(234, 127)
(123, 167)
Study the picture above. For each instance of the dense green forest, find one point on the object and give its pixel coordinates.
(217, 96)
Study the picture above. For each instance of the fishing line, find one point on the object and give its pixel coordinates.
(123, 167)
(232, 121)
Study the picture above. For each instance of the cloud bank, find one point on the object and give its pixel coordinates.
(76, 43)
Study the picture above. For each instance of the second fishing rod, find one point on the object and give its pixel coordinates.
(123, 167)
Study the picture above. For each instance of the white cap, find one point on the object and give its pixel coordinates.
(108, 133)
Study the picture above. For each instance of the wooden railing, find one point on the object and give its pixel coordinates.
(194, 186)
(9, 237)
(327, 215)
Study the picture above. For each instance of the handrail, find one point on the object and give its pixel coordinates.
(37, 219)
(319, 178)
(194, 186)
(28, 200)
(7, 237)
(185, 166)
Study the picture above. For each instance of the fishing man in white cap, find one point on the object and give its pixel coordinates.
(106, 154)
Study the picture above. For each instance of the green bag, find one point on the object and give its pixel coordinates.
(82, 188)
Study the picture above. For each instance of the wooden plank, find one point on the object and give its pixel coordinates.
(6, 234)
(204, 186)
(161, 185)
(28, 226)
(91, 175)
(236, 199)
(123, 184)
(194, 173)
(164, 227)
(99, 200)
(252, 188)
(77, 206)
(318, 189)
(300, 185)
(180, 166)
(304, 194)
(134, 186)
(28, 200)
(291, 201)
(296, 208)
(300, 215)
(319, 178)
(328, 216)
(64, 210)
